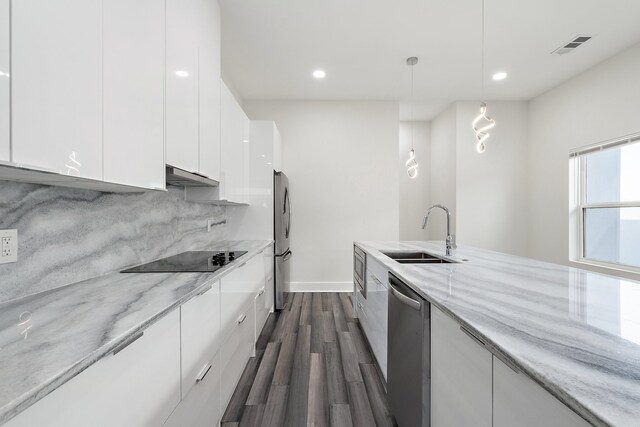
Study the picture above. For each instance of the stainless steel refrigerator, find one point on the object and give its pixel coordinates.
(282, 228)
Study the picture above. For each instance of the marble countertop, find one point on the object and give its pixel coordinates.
(574, 332)
(48, 338)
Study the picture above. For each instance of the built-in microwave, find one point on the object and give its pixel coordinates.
(360, 270)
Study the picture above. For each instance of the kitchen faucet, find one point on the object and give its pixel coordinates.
(451, 239)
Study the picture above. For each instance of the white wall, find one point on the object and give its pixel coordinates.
(342, 162)
(600, 104)
(443, 172)
(414, 193)
(491, 188)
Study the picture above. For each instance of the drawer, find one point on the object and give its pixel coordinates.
(236, 350)
(263, 308)
(137, 386)
(362, 313)
(200, 333)
(238, 288)
(201, 406)
(377, 271)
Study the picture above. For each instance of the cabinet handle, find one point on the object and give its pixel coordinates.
(205, 290)
(472, 335)
(203, 373)
(261, 292)
(127, 343)
(242, 265)
(241, 319)
(375, 279)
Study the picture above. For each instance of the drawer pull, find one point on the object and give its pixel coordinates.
(375, 279)
(241, 319)
(242, 265)
(205, 290)
(261, 292)
(203, 373)
(127, 343)
(472, 335)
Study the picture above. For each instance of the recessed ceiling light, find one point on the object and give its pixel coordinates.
(501, 75)
(182, 73)
(319, 74)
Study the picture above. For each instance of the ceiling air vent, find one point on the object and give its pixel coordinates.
(572, 45)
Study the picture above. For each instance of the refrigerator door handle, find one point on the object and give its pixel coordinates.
(287, 210)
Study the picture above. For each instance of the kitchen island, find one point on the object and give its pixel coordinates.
(571, 331)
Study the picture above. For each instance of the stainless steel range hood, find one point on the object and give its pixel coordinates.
(182, 178)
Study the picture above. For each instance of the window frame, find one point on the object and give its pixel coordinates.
(579, 197)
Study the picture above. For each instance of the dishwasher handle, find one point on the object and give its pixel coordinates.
(416, 305)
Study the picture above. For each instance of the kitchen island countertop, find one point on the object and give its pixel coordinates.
(574, 332)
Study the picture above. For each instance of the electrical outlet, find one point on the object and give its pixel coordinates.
(8, 246)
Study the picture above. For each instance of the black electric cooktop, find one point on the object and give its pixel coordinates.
(189, 262)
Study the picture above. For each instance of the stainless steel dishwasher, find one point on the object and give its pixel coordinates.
(409, 355)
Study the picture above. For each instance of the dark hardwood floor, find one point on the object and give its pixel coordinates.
(312, 367)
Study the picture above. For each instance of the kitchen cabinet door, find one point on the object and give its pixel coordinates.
(377, 299)
(209, 88)
(461, 376)
(236, 351)
(5, 74)
(232, 148)
(201, 407)
(137, 386)
(200, 334)
(518, 401)
(56, 49)
(238, 289)
(182, 76)
(134, 92)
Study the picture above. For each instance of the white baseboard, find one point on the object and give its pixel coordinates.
(319, 287)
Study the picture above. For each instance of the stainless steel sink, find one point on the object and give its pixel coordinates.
(416, 258)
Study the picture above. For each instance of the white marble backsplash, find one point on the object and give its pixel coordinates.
(68, 235)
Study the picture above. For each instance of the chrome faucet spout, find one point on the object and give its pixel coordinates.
(450, 242)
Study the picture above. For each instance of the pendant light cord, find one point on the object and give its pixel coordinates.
(482, 62)
(412, 105)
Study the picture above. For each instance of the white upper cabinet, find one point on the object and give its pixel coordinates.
(133, 101)
(5, 71)
(233, 148)
(209, 85)
(182, 69)
(56, 49)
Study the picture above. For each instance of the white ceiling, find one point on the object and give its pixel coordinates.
(271, 47)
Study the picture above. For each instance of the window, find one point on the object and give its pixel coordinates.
(607, 195)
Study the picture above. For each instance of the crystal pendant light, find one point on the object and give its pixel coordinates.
(482, 123)
(412, 163)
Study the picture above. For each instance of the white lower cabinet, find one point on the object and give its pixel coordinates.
(200, 335)
(201, 406)
(262, 310)
(239, 288)
(236, 350)
(461, 376)
(518, 401)
(137, 386)
(377, 305)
